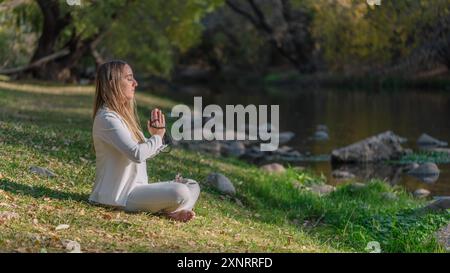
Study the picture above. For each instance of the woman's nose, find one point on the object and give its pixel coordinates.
(135, 83)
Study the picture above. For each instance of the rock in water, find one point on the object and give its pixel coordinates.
(221, 183)
(342, 174)
(321, 135)
(421, 193)
(426, 172)
(441, 203)
(285, 137)
(234, 148)
(427, 140)
(381, 147)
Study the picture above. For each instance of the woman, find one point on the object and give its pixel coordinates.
(121, 151)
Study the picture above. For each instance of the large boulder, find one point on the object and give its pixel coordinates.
(221, 183)
(427, 140)
(384, 146)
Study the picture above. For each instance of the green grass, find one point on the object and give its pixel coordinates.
(423, 157)
(50, 126)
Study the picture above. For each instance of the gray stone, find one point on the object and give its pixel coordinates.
(285, 137)
(421, 193)
(427, 140)
(71, 246)
(410, 167)
(284, 154)
(284, 149)
(322, 189)
(377, 148)
(426, 172)
(42, 171)
(273, 168)
(428, 168)
(234, 148)
(441, 203)
(321, 135)
(342, 174)
(221, 183)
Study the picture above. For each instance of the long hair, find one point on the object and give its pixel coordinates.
(108, 92)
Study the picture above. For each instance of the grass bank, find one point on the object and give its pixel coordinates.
(50, 126)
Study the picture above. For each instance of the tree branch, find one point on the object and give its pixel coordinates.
(37, 63)
(242, 12)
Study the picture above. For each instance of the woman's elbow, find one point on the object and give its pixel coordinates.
(137, 156)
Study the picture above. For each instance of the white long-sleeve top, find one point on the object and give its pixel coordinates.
(120, 160)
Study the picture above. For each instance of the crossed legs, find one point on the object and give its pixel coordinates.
(175, 199)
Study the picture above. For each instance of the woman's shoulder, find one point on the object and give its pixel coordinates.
(105, 111)
(106, 116)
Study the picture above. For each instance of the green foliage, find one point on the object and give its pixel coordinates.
(18, 30)
(149, 34)
(353, 35)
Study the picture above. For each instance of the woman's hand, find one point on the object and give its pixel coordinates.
(156, 125)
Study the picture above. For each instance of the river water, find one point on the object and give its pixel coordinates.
(350, 115)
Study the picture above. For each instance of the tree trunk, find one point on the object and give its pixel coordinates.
(54, 23)
(295, 44)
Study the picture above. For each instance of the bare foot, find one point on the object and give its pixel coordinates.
(182, 215)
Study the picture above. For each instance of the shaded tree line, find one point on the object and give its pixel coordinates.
(48, 39)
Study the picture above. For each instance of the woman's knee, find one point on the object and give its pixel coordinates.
(192, 184)
(180, 193)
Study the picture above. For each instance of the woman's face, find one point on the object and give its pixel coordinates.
(128, 82)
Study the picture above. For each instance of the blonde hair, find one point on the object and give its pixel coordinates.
(108, 92)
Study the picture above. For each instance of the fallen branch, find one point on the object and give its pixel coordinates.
(39, 62)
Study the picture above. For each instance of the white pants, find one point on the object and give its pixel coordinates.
(163, 196)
